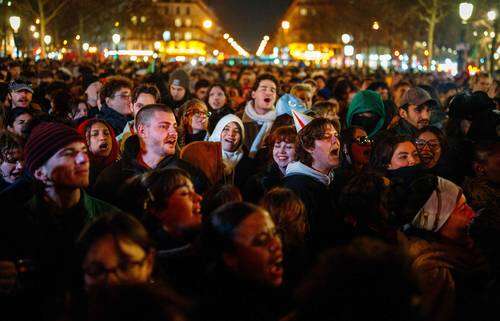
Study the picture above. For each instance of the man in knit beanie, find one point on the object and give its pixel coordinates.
(45, 228)
(178, 89)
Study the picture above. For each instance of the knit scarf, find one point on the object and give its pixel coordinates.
(230, 160)
(266, 121)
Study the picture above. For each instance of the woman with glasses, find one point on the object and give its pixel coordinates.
(193, 122)
(245, 271)
(356, 148)
(11, 159)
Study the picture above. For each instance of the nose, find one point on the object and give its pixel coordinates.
(275, 245)
(425, 114)
(82, 158)
(19, 165)
(197, 198)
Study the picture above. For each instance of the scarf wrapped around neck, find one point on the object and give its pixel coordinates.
(266, 121)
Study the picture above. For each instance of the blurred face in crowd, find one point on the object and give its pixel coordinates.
(384, 92)
(177, 92)
(305, 97)
(121, 101)
(361, 147)
(92, 93)
(182, 210)
(258, 254)
(490, 168)
(457, 225)
(217, 98)
(399, 93)
(230, 137)
(199, 118)
(429, 149)
(417, 116)
(201, 93)
(321, 83)
(15, 72)
(264, 97)
(20, 123)
(483, 83)
(405, 155)
(283, 153)
(21, 98)
(99, 140)
(115, 261)
(160, 135)
(68, 168)
(11, 167)
(325, 153)
(82, 111)
(143, 99)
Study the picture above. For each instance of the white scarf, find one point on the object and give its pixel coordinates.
(231, 160)
(266, 121)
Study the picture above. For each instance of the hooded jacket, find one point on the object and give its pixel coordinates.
(367, 101)
(114, 118)
(313, 188)
(113, 177)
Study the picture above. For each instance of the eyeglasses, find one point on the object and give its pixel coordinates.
(122, 271)
(199, 113)
(433, 143)
(12, 158)
(363, 140)
(123, 96)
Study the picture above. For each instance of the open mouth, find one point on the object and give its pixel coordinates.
(267, 100)
(103, 146)
(276, 267)
(282, 158)
(334, 152)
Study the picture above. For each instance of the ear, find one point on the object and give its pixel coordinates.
(253, 94)
(107, 100)
(41, 174)
(402, 113)
(230, 260)
(141, 130)
(478, 169)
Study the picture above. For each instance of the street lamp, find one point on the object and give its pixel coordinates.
(465, 10)
(85, 46)
(116, 39)
(207, 24)
(285, 25)
(166, 35)
(375, 25)
(492, 16)
(346, 38)
(15, 23)
(47, 39)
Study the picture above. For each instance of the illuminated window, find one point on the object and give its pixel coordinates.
(177, 36)
(178, 22)
(188, 22)
(303, 11)
(188, 36)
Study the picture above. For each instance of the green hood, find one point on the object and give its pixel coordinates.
(367, 101)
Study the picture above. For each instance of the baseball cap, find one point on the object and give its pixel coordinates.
(18, 85)
(417, 96)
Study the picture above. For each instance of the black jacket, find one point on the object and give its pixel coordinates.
(112, 179)
(403, 128)
(260, 183)
(114, 118)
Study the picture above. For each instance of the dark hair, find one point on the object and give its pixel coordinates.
(146, 89)
(202, 83)
(112, 85)
(265, 77)
(347, 139)
(443, 141)
(223, 88)
(313, 131)
(16, 112)
(288, 213)
(219, 195)
(377, 85)
(366, 279)
(146, 113)
(384, 149)
(62, 101)
(117, 224)
(219, 227)
(8, 142)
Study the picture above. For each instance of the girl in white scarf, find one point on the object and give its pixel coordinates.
(230, 132)
(265, 120)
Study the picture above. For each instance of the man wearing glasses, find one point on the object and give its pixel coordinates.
(116, 100)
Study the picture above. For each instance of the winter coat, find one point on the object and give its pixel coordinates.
(114, 118)
(402, 127)
(113, 177)
(367, 101)
(260, 183)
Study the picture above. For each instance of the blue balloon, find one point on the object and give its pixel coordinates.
(287, 103)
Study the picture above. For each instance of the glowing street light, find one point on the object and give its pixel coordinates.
(348, 50)
(85, 46)
(492, 15)
(36, 35)
(32, 28)
(157, 45)
(37, 21)
(47, 39)
(15, 23)
(226, 36)
(207, 24)
(346, 38)
(166, 35)
(465, 10)
(116, 39)
(285, 25)
(375, 25)
(77, 37)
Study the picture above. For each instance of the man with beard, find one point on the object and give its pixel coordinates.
(414, 112)
(39, 235)
(311, 178)
(20, 94)
(178, 90)
(153, 147)
(259, 113)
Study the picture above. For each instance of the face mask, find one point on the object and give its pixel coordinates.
(368, 123)
(406, 175)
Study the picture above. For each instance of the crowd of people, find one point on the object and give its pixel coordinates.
(241, 193)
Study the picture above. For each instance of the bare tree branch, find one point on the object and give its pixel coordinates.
(55, 12)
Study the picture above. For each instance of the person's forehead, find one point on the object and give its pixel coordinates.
(145, 96)
(256, 222)
(176, 87)
(98, 125)
(404, 147)
(267, 83)
(24, 117)
(428, 135)
(124, 89)
(164, 116)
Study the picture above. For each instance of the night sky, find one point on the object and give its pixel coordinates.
(249, 20)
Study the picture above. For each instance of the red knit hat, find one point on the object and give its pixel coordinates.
(45, 140)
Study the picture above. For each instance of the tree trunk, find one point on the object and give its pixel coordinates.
(430, 34)
(42, 28)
